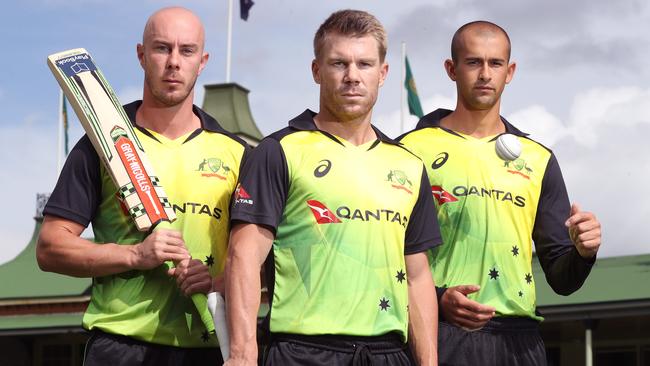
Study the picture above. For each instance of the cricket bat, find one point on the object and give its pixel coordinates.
(111, 133)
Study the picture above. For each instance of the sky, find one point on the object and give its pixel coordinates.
(581, 87)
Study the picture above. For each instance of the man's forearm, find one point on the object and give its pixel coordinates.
(249, 245)
(242, 304)
(61, 250)
(423, 312)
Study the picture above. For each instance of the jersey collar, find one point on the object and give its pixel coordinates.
(433, 120)
(208, 123)
(305, 122)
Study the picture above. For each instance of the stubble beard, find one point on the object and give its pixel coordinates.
(169, 99)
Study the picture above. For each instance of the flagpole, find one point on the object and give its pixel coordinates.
(229, 42)
(59, 145)
(402, 88)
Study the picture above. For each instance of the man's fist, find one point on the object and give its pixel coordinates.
(158, 247)
(584, 229)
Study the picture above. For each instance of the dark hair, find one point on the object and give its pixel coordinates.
(483, 26)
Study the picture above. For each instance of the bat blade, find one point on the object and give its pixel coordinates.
(113, 136)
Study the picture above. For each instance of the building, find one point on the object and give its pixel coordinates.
(608, 318)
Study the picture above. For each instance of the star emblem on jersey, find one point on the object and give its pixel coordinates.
(518, 167)
(241, 196)
(216, 168)
(322, 214)
(521, 294)
(384, 304)
(529, 278)
(442, 196)
(205, 337)
(401, 276)
(399, 180)
(515, 251)
(494, 274)
(209, 260)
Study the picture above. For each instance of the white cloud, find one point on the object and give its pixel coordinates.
(543, 126)
(623, 107)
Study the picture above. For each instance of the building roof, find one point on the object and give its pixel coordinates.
(22, 279)
(228, 104)
(616, 286)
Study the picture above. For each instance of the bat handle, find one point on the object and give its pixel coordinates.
(217, 307)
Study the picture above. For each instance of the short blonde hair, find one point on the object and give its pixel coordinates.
(352, 23)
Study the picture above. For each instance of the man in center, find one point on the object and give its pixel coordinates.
(349, 216)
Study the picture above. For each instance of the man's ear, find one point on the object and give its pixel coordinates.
(451, 69)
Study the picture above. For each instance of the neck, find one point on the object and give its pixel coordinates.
(356, 131)
(475, 123)
(171, 122)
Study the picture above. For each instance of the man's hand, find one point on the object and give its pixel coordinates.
(158, 247)
(192, 276)
(457, 309)
(584, 229)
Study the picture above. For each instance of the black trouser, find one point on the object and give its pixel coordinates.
(330, 350)
(116, 350)
(502, 342)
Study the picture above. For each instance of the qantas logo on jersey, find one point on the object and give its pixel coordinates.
(324, 215)
(241, 196)
(442, 196)
(215, 168)
(399, 180)
(197, 209)
(518, 167)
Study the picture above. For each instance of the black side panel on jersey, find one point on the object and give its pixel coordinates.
(563, 266)
(423, 231)
(264, 177)
(78, 191)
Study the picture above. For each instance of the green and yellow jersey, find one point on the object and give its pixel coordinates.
(199, 173)
(344, 217)
(490, 211)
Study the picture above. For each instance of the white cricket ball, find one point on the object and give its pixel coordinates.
(508, 147)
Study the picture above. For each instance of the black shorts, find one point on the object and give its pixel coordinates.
(116, 350)
(502, 342)
(330, 350)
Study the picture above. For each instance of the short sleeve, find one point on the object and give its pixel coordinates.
(261, 194)
(78, 191)
(422, 231)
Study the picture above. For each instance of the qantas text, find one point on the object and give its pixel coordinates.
(496, 194)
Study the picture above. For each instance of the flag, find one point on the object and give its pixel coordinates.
(64, 120)
(244, 7)
(415, 108)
